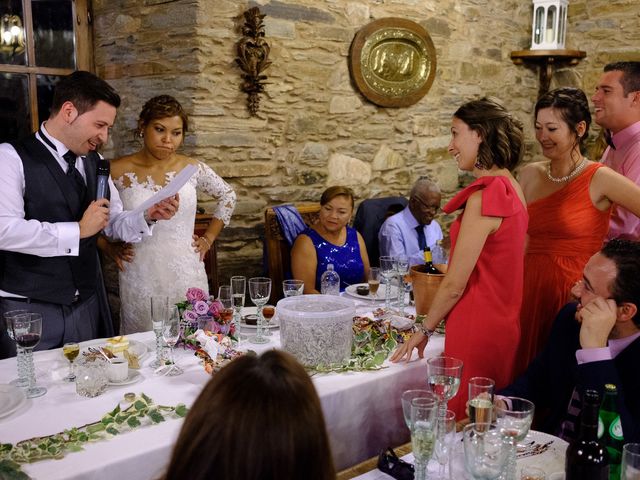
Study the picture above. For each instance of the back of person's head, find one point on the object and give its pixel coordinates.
(424, 184)
(259, 418)
(631, 75)
(573, 106)
(502, 134)
(162, 106)
(626, 287)
(336, 191)
(84, 90)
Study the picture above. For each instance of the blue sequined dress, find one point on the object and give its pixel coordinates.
(346, 258)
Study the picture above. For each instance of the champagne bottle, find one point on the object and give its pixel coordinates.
(587, 458)
(428, 263)
(610, 429)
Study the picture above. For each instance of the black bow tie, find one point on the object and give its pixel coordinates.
(609, 138)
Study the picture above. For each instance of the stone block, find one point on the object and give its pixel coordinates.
(357, 13)
(245, 169)
(298, 13)
(349, 171)
(344, 104)
(387, 159)
(314, 153)
(275, 27)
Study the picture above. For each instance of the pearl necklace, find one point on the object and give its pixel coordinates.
(571, 174)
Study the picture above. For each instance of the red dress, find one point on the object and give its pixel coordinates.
(564, 232)
(483, 328)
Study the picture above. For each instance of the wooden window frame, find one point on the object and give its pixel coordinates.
(83, 47)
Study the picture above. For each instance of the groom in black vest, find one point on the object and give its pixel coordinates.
(50, 218)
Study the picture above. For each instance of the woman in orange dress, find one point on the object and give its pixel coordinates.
(569, 200)
(481, 293)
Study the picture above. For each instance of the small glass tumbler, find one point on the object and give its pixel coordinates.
(91, 376)
(292, 288)
(630, 466)
(481, 399)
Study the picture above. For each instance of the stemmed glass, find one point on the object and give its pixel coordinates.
(22, 381)
(387, 271)
(259, 292)
(374, 282)
(238, 291)
(484, 451)
(481, 399)
(226, 299)
(514, 417)
(70, 350)
(171, 331)
(443, 378)
(444, 442)
(402, 268)
(407, 397)
(423, 427)
(292, 288)
(27, 329)
(159, 312)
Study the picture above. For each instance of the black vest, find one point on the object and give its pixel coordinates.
(50, 196)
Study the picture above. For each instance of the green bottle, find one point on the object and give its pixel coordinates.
(610, 429)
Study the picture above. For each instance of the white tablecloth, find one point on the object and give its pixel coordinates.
(362, 412)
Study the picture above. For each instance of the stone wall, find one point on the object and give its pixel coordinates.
(314, 129)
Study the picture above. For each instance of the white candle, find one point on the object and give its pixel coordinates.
(549, 35)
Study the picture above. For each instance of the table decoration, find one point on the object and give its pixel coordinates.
(198, 306)
(142, 411)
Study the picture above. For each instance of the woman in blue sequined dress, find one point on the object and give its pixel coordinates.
(331, 240)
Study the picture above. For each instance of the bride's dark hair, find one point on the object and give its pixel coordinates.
(162, 106)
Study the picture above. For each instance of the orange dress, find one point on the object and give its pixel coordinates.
(483, 328)
(565, 230)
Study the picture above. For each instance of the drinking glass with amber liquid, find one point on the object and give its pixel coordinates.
(70, 351)
(268, 312)
(374, 282)
(226, 299)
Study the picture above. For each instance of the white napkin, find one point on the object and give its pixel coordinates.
(208, 344)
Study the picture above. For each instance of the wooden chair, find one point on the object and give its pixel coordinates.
(211, 258)
(278, 251)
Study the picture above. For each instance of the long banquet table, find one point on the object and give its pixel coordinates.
(362, 412)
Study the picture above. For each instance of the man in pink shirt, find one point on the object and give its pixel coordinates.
(617, 110)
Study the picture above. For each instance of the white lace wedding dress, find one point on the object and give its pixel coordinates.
(165, 263)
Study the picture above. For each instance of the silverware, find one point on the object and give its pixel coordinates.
(535, 449)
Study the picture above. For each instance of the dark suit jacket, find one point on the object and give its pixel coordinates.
(550, 379)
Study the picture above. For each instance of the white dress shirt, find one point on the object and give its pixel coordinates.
(46, 239)
(398, 236)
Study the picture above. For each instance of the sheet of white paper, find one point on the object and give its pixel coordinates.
(170, 189)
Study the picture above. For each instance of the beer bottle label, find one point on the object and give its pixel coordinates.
(600, 427)
(615, 429)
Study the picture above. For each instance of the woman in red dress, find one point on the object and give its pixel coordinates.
(481, 293)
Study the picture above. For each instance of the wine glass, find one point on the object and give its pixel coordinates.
(27, 329)
(481, 399)
(484, 451)
(630, 466)
(159, 311)
(238, 291)
(443, 378)
(423, 428)
(226, 300)
(22, 381)
(70, 350)
(292, 288)
(268, 312)
(374, 282)
(514, 417)
(402, 268)
(171, 334)
(444, 442)
(387, 271)
(259, 292)
(406, 399)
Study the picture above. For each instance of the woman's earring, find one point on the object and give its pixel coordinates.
(140, 134)
(478, 165)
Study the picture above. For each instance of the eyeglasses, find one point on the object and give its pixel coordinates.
(424, 206)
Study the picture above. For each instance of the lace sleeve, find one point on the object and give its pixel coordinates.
(212, 184)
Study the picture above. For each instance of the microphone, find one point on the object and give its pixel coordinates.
(102, 179)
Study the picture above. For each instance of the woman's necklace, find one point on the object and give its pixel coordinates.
(571, 174)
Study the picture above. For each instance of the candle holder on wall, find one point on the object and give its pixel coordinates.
(253, 58)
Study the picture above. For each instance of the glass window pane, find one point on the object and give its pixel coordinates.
(15, 117)
(12, 41)
(53, 33)
(45, 85)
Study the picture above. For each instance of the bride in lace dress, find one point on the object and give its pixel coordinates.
(170, 260)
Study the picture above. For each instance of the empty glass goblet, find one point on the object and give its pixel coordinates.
(292, 288)
(402, 269)
(485, 452)
(513, 419)
(387, 272)
(259, 292)
(171, 330)
(27, 329)
(159, 311)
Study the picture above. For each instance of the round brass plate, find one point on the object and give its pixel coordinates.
(393, 62)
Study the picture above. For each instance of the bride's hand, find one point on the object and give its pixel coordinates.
(201, 245)
(119, 252)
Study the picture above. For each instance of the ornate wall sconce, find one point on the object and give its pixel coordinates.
(253, 58)
(549, 27)
(11, 34)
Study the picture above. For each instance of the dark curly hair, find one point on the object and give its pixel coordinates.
(626, 287)
(502, 134)
(573, 106)
(162, 106)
